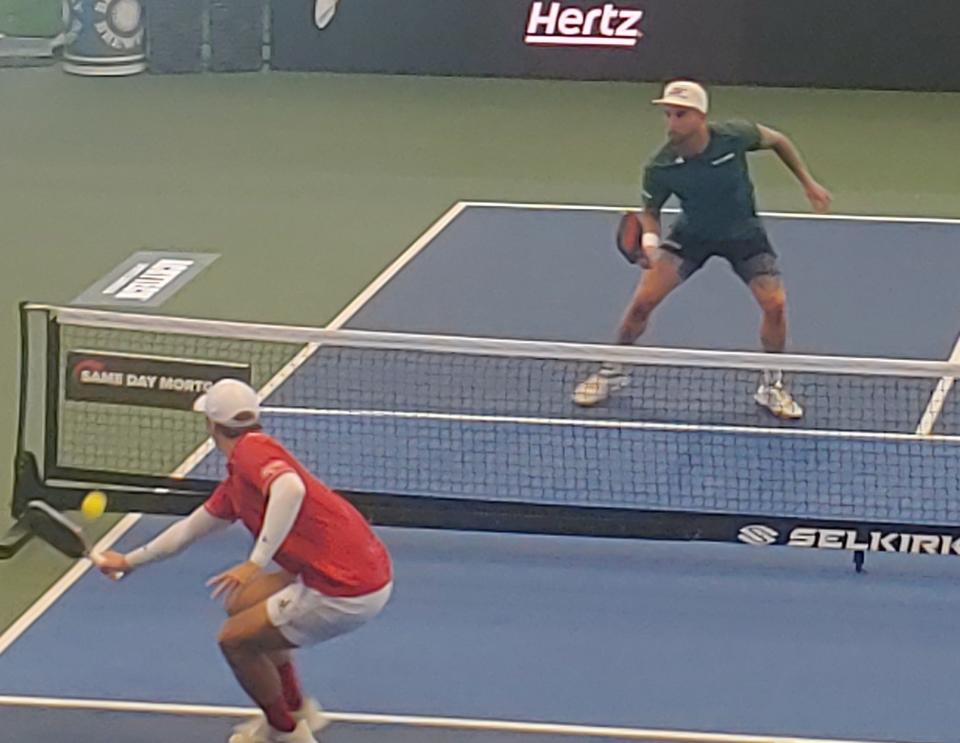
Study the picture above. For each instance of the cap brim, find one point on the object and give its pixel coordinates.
(200, 404)
(678, 104)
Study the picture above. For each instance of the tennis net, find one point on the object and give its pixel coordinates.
(483, 434)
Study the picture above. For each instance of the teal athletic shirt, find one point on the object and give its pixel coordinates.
(714, 187)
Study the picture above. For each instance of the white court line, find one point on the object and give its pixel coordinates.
(615, 424)
(451, 723)
(339, 321)
(939, 398)
(66, 580)
(673, 210)
(77, 571)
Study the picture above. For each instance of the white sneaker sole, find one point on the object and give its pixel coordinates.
(596, 389)
(776, 410)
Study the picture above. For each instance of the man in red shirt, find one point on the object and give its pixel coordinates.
(335, 573)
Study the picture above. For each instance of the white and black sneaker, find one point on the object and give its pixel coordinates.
(598, 386)
(778, 400)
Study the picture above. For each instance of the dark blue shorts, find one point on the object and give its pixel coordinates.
(749, 258)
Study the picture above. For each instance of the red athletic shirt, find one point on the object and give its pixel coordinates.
(330, 546)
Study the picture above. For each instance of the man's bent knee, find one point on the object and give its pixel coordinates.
(240, 601)
(774, 306)
(232, 644)
(253, 593)
(770, 295)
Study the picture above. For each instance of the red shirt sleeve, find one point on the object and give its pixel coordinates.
(219, 505)
(259, 460)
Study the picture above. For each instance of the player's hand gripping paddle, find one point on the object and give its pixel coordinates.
(59, 532)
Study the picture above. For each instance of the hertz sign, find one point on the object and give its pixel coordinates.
(735, 42)
(554, 24)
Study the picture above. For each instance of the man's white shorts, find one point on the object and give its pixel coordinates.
(305, 616)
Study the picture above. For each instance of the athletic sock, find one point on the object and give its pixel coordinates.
(292, 693)
(278, 716)
(772, 377)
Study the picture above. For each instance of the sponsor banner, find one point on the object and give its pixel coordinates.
(913, 541)
(573, 39)
(146, 279)
(556, 24)
(876, 43)
(150, 381)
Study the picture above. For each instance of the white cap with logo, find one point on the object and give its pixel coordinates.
(685, 93)
(230, 403)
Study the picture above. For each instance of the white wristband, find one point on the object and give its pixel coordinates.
(651, 240)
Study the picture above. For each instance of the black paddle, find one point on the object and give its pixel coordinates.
(58, 531)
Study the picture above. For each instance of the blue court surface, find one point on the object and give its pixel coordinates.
(498, 634)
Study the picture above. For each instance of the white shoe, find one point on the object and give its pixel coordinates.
(312, 713)
(256, 730)
(323, 12)
(776, 399)
(597, 387)
(251, 731)
(300, 734)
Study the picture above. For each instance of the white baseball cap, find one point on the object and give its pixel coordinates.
(684, 93)
(230, 403)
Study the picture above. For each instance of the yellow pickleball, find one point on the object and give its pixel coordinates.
(93, 505)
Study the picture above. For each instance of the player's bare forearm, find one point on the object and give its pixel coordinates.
(650, 220)
(817, 195)
(790, 156)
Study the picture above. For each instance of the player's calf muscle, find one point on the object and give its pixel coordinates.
(634, 323)
(636, 319)
(773, 330)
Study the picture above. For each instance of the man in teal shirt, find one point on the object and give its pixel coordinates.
(705, 165)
